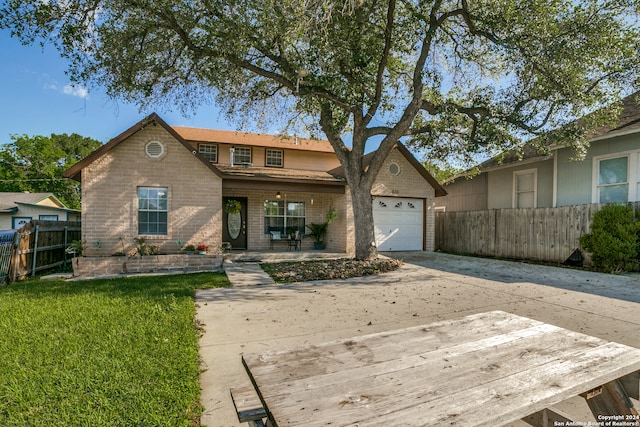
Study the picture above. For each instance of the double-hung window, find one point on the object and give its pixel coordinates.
(613, 180)
(209, 151)
(284, 216)
(273, 158)
(525, 188)
(152, 211)
(242, 155)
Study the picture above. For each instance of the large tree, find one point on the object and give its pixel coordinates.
(452, 76)
(36, 164)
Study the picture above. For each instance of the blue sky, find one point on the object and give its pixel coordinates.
(38, 99)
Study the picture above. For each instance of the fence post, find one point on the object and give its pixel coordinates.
(16, 255)
(35, 251)
(66, 230)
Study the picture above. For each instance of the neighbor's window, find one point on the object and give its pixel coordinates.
(241, 155)
(524, 186)
(152, 210)
(209, 151)
(273, 158)
(613, 184)
(285, 217)
(48, 217)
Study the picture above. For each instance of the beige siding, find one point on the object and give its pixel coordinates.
(110, 185)
(293, 159)
(465, 195)
(408, 183)
(33, 212)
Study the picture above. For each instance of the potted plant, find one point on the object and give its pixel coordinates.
(189, 249)
(202, 249)
(318, 231)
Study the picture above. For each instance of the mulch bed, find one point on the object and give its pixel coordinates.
(344, 268)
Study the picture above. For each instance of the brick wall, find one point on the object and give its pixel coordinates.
(110, 266)
(408, 183)
(109, 186)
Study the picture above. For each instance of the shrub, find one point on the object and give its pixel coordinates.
(613, 240)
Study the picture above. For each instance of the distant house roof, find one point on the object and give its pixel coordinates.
(255, 139)
(628, 122)
(9, 202)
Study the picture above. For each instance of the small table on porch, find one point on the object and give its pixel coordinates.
(481, 370)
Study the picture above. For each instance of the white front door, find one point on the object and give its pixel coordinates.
(399, 223)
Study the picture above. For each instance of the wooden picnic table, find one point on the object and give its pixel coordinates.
(486, 369)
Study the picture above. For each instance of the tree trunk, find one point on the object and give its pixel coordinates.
(365, 241)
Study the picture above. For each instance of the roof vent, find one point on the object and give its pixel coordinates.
(154, 149)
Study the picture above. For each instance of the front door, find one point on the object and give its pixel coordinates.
(234, 225)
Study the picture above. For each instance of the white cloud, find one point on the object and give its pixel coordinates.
(79, 91)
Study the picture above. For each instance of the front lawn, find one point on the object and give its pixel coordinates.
(117, 352)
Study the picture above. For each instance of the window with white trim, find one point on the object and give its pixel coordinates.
(273, 158)
(525, 188)
(613, 180)
(209, 151)
(242, 155)
(285, 217)
(48, 217)
(153, 208)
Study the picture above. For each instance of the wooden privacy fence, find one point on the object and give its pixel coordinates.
(542, 234)
(41, 245)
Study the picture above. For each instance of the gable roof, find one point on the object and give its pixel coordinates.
(74, 172)
(440, 191)
(9, 201)
(254, 139)
(628, 122)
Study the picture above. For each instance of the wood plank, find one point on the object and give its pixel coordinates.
(334, 356)
(247, 403)
(611, 399)
(548, 417)
(521, 367)
(631, 384)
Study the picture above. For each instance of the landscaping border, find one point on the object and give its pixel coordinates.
(113, 266)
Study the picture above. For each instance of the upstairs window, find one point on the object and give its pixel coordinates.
(152, 211)
(274, 158)
(242, 155)
(209, 151)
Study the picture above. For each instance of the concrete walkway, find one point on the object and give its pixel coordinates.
(429, 287)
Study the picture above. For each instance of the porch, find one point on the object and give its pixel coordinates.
(282, 255)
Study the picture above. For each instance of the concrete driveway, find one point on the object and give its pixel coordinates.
(429, 287)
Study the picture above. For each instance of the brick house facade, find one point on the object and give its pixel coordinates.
(170, 184)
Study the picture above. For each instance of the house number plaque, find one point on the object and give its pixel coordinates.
(234, 224)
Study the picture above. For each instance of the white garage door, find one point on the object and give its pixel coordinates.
(398, 223)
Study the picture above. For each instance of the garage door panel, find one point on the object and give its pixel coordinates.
(398, 223)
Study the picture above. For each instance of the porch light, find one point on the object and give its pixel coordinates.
(278, 195)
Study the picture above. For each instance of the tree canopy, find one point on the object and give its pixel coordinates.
(453, 77)
(36, 164)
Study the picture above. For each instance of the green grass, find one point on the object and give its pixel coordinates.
(118, 352)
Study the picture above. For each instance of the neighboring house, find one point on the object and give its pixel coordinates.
(17, 209)
(609, 173)
(170, 185)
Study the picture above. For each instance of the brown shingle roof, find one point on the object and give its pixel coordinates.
(255, 139)
(278, 173)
